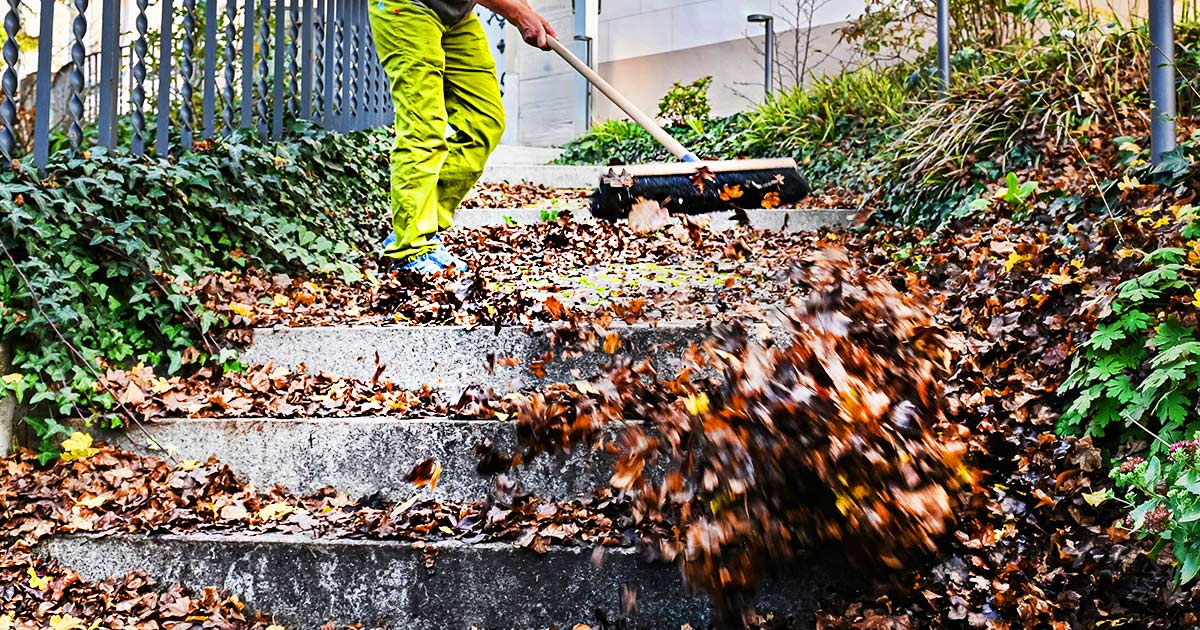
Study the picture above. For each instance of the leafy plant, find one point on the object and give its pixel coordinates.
(1141, 366)
(1164, 494)
(102, 256)
(686, 104)
(549, 216)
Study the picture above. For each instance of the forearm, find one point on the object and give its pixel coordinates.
(509, 9)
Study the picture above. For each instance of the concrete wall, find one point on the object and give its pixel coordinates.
(736, 67)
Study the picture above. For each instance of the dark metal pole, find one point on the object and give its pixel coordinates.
(943, 44)
(1162, 78)
(41, 124)
(768, 23)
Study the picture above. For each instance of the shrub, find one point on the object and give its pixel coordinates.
(105, 247)
(1164, 494)
(686, 105)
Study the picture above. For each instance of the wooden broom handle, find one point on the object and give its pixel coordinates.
(639, 116)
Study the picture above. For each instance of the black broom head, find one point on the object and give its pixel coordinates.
(700, 187)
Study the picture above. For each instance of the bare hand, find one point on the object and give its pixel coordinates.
(535, 29)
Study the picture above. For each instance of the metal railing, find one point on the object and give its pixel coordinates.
(249, 64)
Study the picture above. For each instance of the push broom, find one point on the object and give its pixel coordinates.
(693, 186)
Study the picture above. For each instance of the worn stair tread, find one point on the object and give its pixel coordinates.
(365, 455)
(453, 358)
(305, 582)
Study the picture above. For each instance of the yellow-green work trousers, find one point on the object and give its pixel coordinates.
(440, 75)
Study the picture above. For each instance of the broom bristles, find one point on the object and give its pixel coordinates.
(700, 192)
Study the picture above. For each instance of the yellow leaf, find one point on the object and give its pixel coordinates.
(771, 201)
(78, 446)
(1196, 299)
(36, 582)
(6, 622)
(1131, 147)
(280, 300)
(275, 628)
(189, 465)
(1015, 259)
(697, 404)
(1129, 183)
(241, 309)
(66, 622)
(9, 379)
(275, 511)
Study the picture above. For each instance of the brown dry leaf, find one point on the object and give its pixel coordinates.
(648, 216)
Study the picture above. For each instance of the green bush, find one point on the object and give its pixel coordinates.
(1163, 492)
(687, 105)
(105, 248)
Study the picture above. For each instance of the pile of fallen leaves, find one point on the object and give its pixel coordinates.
(835, 434)
(524, 195)
(99, 490)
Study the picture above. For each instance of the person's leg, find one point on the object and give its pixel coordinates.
(408, 39)
(476, 113)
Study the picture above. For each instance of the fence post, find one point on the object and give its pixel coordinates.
(8, 83)
(110, 72)
(248, 64)
(162, 136)
(319, 64)
(943, 44)
(41, 124)
(1162, 78)
(279, 57)
(209, 112)
(187, 70)
(137, 94)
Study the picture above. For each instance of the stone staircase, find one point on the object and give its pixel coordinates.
(305, 582)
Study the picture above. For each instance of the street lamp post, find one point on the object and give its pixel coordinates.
(1162, 78)
(768, 23)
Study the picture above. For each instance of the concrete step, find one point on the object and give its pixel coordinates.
(453, 358)
(365, 456)
(511, 154)
(552, 176)
(786, 221)
(304, 583)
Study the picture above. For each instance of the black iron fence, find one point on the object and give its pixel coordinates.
(210, 68)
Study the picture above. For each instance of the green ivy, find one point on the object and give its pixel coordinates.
(107, 247)
(1140, 368)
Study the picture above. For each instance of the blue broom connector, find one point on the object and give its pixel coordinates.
(691, 157)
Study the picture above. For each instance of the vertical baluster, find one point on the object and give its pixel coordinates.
(210, 68)
(376, 86)
(355, 81)
(230, 59)
(187, 70)
(8, 83)
(364, 66)
(75, 100)
(339, 56)
(280, 54)
(110, 72)
(293, 48)
(329, 25)
(264, 50)
(248, 64)
(41, 123)
(137, 93)
(307, 61)
(162, 139)
(319, 64)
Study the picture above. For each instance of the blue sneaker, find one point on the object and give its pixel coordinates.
(448, 260)
(425, 265)
(389, 241)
